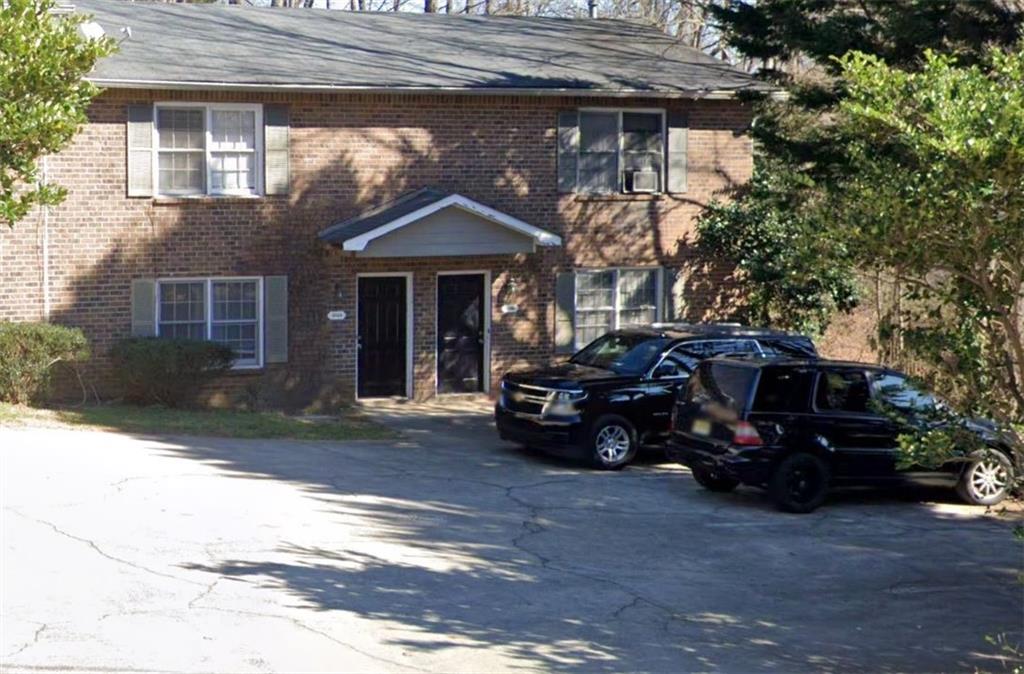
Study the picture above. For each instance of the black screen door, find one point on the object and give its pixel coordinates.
(382, 336)
(460, 333)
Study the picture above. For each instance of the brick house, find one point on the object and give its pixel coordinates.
(380, 204)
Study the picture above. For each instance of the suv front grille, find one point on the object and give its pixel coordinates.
(524, 398)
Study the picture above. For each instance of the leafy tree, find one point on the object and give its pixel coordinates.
(795, 44)
(935, 192)
(43, 98)
(798, 276)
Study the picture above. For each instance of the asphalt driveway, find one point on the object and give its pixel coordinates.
(450, 551)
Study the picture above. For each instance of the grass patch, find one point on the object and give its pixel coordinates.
(220, 423)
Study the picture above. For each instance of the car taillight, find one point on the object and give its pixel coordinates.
(745, 434)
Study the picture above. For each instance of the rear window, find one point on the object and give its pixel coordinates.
(724, 383)
(783, 389)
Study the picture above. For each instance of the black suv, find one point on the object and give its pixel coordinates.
(617, 392)
(797, 426)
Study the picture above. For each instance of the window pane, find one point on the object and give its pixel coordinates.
(642, 149)
(599, 152)
(595, 290)
(235, 318)
(599, 132)
(233, 130)
(232, 171)
(180, 128)
(641, 132)
(590, 325)
(180, 171)
(182, 310)
(842, 391)
(598, 173)
(637, 297)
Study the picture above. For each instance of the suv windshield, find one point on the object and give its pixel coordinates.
(621, 353)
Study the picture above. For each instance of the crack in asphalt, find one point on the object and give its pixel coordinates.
(206, 591)
(100, 551)
(35, 640)
(310, 628)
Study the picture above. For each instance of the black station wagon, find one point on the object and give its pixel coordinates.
(617, 392)
(797, 426)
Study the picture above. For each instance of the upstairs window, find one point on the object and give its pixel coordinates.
(208, 149)
(621, 151)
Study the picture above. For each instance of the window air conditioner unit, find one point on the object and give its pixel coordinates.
(645, 181)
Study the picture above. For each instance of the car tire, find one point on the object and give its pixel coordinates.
(987, 478)
(613, 442)
(712, 481)
(799, 483)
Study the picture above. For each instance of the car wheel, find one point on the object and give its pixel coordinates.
(613, 442)
(712, 481)
(800, 483)
(987, 478)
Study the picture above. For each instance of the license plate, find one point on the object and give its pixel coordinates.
(701, 427)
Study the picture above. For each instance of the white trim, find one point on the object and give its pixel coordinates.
(208, 282)
(409, 332)
(485, 375)
(196, 85)
(208, 110)
(539, 236)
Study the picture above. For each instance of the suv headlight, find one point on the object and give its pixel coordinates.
(564, 403)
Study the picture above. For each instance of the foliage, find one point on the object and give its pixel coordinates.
(28, 352)
(797, 276)
(43, 98)
(794, 44)
(935, 192)
(167, 371)
(221, 423)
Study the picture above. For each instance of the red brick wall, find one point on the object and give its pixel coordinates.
(349, 153)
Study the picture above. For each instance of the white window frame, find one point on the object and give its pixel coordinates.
(208, 110)
(208, 282)
(616, 306)
(621, 177)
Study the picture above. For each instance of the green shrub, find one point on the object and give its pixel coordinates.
(28, 352)
(167, 371)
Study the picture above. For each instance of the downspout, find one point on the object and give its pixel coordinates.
(46, 249)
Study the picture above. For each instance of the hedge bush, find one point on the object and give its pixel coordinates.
(28, 352)
(167, 371)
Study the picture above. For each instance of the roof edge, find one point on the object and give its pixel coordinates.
(173, 85)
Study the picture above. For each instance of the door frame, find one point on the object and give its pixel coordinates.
(486, 374)
(409, 332)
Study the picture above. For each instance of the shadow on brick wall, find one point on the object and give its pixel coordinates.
(349, 155)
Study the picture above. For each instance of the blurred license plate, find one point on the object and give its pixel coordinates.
(701, 427)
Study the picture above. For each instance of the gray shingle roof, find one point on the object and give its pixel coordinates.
(382, 215)
(213, 46)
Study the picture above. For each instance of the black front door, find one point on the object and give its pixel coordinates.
(382, 336)
(460, 333)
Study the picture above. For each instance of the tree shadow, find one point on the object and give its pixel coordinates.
(471, 546)
(348, 154)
